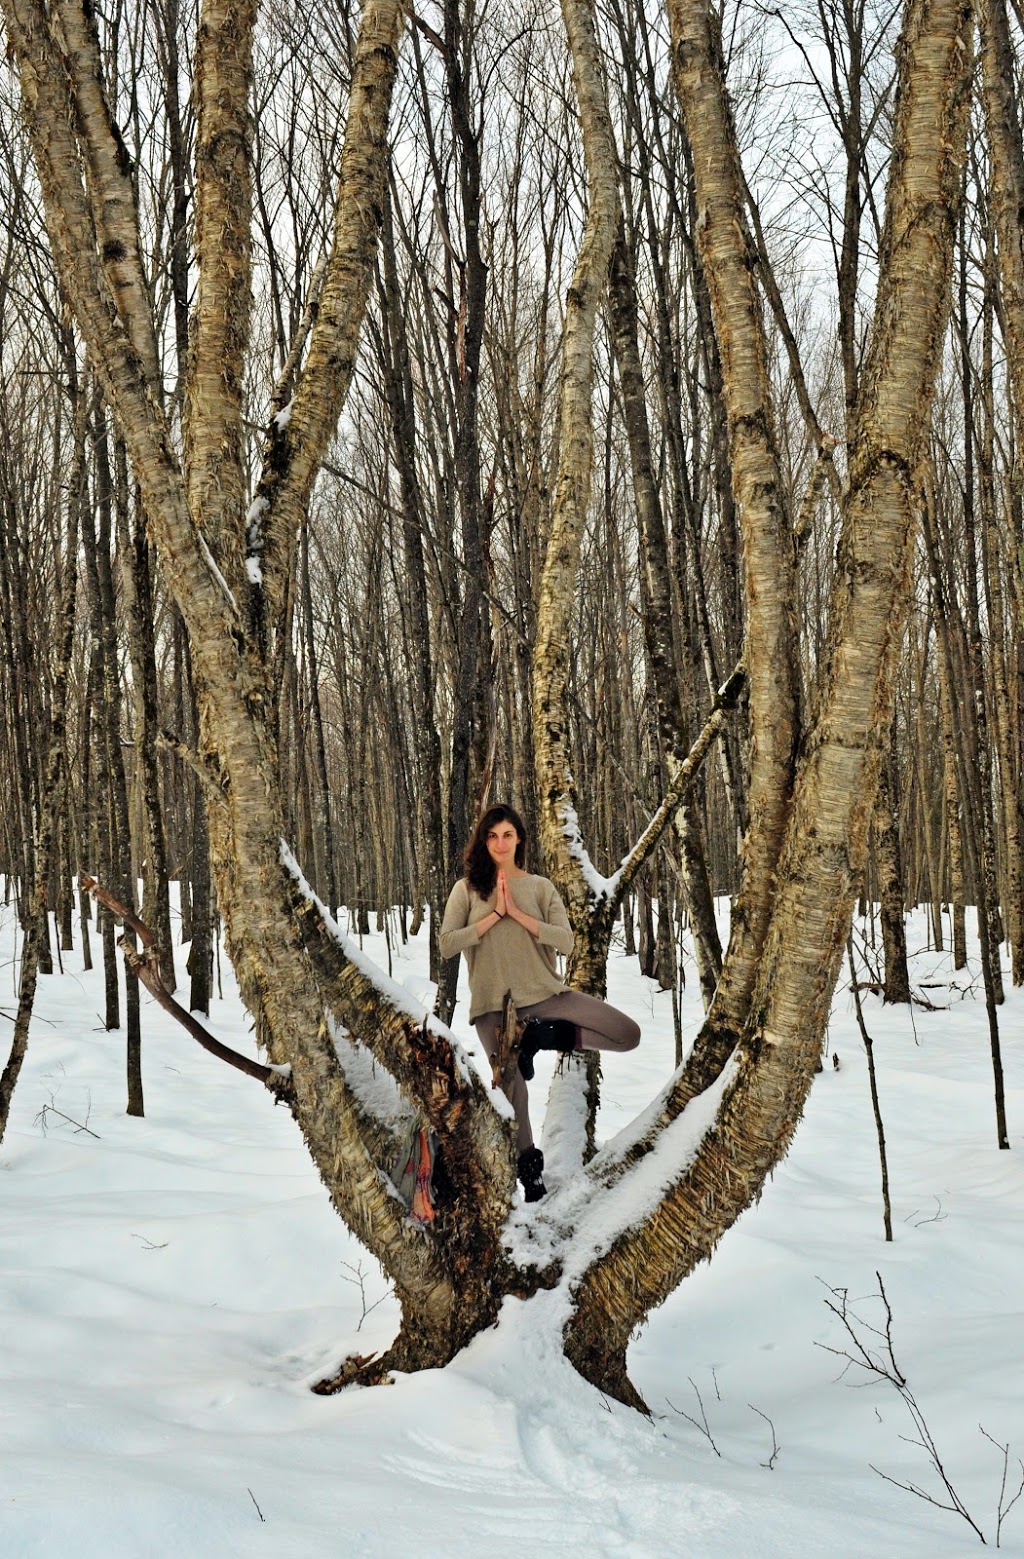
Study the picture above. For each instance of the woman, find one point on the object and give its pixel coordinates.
(510, 925)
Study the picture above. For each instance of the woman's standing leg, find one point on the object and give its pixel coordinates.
(488, 1027)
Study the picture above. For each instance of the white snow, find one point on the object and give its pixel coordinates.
(254, 540)
(598, 1220)
(399, 995)
(170, 1288)
(371, 1083)
(600, 886)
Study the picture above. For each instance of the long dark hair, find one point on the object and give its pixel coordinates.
(480, 871)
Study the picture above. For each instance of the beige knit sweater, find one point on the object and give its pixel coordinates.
(507, 958)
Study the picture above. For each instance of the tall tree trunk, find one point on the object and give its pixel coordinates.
(769, 555)
(953, 759)
(979, 775)
(323, 825)
(109, 733)
(1006, 152)
(892, 896)
(133, 549)
(35, 918)
(661, 649)
(401, 404)
(472, 693)
(1008, 786)
(766, 1082)
(559, 823)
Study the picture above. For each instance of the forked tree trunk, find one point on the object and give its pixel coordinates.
(306, 992)
(299, 979)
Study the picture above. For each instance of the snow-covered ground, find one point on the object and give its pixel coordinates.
(170, 1287)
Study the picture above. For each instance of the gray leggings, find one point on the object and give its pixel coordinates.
(599, 1026)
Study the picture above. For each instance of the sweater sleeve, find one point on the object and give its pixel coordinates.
(456, 932)
(554, 929)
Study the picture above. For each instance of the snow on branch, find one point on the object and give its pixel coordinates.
(725, 701)
(599, 887)
(254, 540)
(581, 1227)
(373, 1085)
(608, 892)
(390, 991)
(283, 397)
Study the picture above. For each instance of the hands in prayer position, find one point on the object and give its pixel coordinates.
(505, 904)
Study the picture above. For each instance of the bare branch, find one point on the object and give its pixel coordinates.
(702, 1425)
(725, 703)
(146, 966)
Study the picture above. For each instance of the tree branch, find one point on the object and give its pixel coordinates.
(106, 162)
(294, 449)
(205, 770)
(146, 966)
(726, 700)
(214, 389)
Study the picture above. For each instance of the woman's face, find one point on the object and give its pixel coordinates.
(501, 842)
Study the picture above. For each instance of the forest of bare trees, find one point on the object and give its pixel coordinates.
(612, 410)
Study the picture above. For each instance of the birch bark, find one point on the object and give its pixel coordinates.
(559, 829)
(295, 977)
(1006, 150)
(777, 1056)
(769, 557)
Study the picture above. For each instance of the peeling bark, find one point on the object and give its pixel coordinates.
(769, 554)
(778, 1046)
(319, 1009)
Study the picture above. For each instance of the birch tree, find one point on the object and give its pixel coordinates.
(355, 1060)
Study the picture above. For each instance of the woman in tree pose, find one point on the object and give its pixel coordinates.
(510, 925)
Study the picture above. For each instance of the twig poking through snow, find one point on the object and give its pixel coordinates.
(884, 1366)
(147, 1244)
(879, 1128)
(773, 1458)
(1003, 1509)
(49, 1109)
(938, 1216)
(358, 1278)
(703, 1426)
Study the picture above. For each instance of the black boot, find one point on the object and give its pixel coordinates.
(530, 1169)
(544, 1034)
